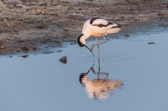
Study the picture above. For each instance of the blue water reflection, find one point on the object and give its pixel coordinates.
(42, 83)
(100, 87)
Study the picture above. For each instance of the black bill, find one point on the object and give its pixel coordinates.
(89, 49)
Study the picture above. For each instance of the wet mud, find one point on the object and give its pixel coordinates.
(29, 25)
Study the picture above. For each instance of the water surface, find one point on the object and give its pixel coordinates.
(42, 83)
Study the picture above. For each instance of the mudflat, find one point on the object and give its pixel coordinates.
(28, 25)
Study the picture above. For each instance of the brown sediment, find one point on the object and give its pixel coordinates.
(26, 25)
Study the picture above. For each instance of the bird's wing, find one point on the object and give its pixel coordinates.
(98, 21)
(99, 25)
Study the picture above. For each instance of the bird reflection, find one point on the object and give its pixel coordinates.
(99, 88)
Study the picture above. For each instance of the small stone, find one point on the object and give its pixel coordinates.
(151, 42)
(34, 48)
(63, 60)
(18, 50)
(41, 26)
(25, 56)
(59, 51)
(25, 49)
(20, 41)
(127, 35)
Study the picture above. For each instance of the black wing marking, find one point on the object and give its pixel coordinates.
(118, 26)
(102, 25)
(93, 19)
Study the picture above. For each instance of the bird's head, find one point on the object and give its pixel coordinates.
(81, 40)
(81, 78)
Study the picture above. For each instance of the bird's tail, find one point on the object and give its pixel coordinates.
(113, 30)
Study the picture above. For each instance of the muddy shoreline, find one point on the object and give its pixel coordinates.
(37, 25)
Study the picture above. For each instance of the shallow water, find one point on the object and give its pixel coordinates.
(42, 83)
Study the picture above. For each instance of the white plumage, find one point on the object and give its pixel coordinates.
(99, 27)
(96, 27)
(100, 88)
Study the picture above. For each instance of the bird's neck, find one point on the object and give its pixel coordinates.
(86, 36)
(83, 39)
(84, 80)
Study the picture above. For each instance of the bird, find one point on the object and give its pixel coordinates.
(96, 27)
(99, 88)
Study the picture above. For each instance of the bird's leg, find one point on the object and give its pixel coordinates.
(93, 71)
(99, 73)
(93, 46)
(98, 60)
(106, 74)
(105, 41)
(97, 42)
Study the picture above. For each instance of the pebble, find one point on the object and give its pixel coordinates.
(25, 48)
(25, 56)
(151, 42)
(63, 59)
(127, 35)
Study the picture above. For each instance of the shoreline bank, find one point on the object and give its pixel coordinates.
(29, 26)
